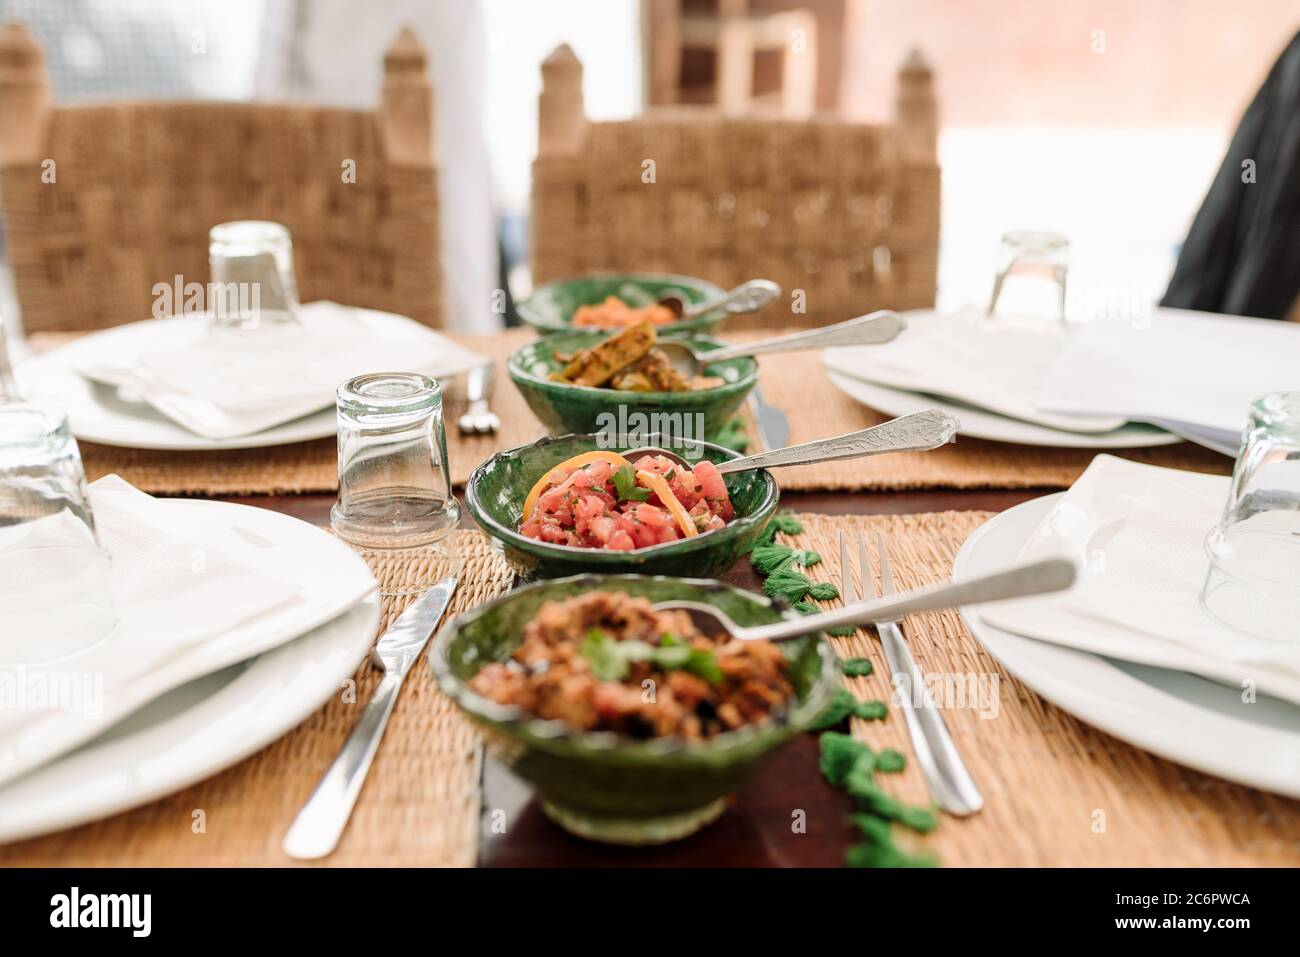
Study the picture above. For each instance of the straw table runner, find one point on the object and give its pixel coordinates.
(794, 382)
(1057, 791)
(419, 807)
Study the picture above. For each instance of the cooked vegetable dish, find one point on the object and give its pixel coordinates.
(607, 661)
(601, 500)
(614, 313)
(629, 362)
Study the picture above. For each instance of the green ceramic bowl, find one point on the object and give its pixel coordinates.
(496, 491)
(550, 306)
(563, 407)
(604, 786)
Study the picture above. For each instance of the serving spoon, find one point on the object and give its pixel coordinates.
(747, 297)
(871, 329)
(918, 432)
(1033, 578)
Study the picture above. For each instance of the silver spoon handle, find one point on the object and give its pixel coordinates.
(864, 331)
(747, 297)
(917, 432)
(1035, 578)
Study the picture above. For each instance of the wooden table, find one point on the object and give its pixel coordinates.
(756, 830)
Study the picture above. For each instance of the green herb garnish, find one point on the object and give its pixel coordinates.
(824, 591)
(625, 487)
(767, 559)
(732, 435)
(870, 710)
(788, 584)
(890, 761)
(609, 659)
(856, 667)
(840, 706)
(606, 660)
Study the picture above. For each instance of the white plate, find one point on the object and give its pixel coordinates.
(1179, 716)
(98, 413)
(330, 576)
(191, 732)
(982, 424)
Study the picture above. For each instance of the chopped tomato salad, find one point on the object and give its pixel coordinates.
(601, 500)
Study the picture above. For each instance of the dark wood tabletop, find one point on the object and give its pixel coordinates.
(756, 830)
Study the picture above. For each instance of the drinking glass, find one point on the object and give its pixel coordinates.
(55, 599)
(252, 275)
(8, 388)
(1253, 582)
(395, 502)
(1030, 277)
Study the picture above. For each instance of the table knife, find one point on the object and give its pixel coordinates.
(320, 823)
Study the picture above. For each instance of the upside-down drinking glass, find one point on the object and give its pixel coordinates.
(1030, 277)
(55, 599)
(1253, 582)
(395, 502)
(252, 275)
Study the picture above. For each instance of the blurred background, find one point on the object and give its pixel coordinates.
(1104, 120)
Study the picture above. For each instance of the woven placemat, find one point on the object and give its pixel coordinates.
(793, 382)
(1057, 791)
(419, 807)
(313, 466)
(797, 383)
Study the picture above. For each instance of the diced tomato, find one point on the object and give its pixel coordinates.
(579, 507)
(713, 488)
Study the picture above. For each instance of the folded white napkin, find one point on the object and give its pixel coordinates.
(173, 592)
(222, 385)
(995, 364)
(1194, 373)
(1137, 533)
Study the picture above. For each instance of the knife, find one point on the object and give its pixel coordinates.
(773, 426)
(320, 823)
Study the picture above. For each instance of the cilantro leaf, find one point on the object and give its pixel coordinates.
(625, 487)
(604, 657)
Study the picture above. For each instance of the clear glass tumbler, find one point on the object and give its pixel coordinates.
(395, 501)
(1253, 582)
(55, 596)
(253, 282)
(1030, 277)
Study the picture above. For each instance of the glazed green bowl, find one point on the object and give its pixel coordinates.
(563, 407)
(496, 491)
(605, 786)
(551, 306)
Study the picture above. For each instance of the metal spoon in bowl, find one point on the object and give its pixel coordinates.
(747, 297)
(871, 329)
(918, 432)
(1034, 578)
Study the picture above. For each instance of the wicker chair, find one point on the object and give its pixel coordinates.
(846, 213)
(103, 201)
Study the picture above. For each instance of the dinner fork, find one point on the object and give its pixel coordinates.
(951, 785)
(479, 417)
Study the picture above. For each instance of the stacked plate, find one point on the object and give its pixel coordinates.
(1130, 649)
(986, 372)
(175, 384)
(233, 625)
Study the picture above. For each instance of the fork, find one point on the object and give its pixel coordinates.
(950, 783)
(479, 418)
